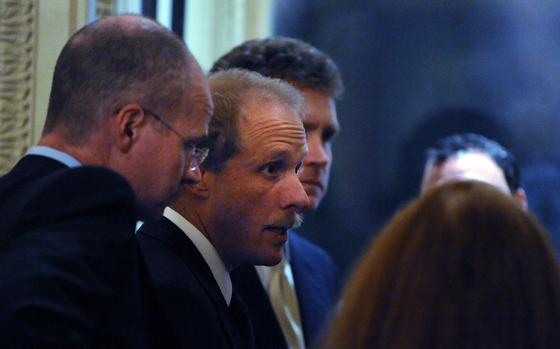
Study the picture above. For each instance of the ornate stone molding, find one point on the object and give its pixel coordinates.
(17, 51)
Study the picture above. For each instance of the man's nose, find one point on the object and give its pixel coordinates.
(318, 154)
(191, 176)
(293, 194)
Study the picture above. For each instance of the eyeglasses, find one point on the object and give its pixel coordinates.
(197, 154)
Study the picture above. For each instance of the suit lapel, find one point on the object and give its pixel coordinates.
(183, 247)
(304, 278)
(267, 331)
(240, 313)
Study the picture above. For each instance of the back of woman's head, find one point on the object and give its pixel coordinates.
(463, 266)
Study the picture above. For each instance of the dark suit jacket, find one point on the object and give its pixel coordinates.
(70, 270)
(316, 282)
(192, 306)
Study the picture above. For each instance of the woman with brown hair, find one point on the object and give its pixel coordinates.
(463, 266)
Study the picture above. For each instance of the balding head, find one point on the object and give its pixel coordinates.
(112, 62)
(128, 95)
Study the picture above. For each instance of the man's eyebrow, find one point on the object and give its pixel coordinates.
(279, 153)
(334, 127)
(309, 126)
(276, 155)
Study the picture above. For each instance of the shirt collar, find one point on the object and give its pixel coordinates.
(206, 249)
(54, 154)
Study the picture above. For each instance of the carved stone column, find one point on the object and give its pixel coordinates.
(17, 51)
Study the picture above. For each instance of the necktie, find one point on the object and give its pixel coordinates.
(240, 315)
(284, 301)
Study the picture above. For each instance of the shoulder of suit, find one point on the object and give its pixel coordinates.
(92, 180)
(298, 241)
(300, 245)
(82, 189)
(72, 199)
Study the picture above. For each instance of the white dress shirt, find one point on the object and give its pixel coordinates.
(206, 249)
(54, 154)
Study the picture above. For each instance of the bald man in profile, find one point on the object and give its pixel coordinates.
(471, 156)
(128, 108)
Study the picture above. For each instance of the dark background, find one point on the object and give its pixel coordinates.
(418, 70)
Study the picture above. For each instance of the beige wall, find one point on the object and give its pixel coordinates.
(32, 33)
(214, 26)
(56, 21)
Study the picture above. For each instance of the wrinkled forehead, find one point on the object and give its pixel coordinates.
(270, 121)
(269, 109)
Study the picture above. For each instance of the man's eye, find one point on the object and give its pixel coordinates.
(272, 168)
(299, 167)
(328, 136)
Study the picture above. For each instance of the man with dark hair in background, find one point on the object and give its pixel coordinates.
(128, 106)
(290, 302)
(471, 156)
(248, 197)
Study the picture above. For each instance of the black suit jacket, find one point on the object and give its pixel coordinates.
(70, 269)
(317, 287)
(192, 307)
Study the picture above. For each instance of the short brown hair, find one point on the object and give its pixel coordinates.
(231, 90)
(463, 266)
(288, 59)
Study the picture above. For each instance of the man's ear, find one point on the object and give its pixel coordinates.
(128, 121)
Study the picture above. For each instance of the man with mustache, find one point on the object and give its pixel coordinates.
(128, 106)
(240, 212)
(290, 302)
